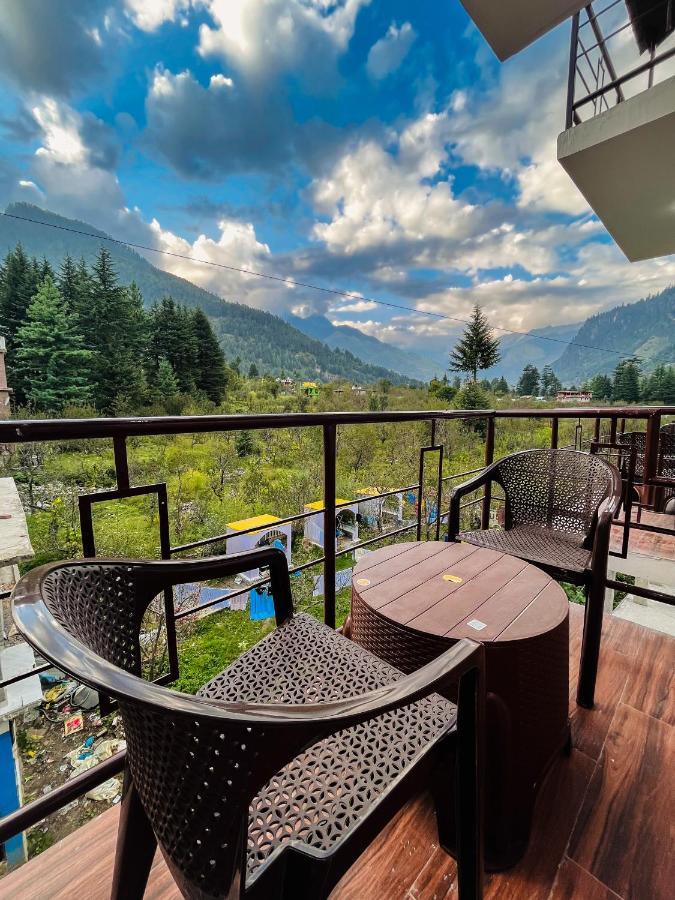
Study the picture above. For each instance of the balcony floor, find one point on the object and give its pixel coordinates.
(603, 826)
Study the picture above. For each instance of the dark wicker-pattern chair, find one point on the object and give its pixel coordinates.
(276, 776)
(635, 443)
(559, 506)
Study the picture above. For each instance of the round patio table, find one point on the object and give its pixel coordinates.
(411, 601)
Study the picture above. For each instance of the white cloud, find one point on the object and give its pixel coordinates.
(387, 54)
(264, 37)
(149, 15)
(360, 306)
(386, 200)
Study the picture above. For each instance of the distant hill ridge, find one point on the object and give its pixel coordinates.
(645, 329)
(255, 336)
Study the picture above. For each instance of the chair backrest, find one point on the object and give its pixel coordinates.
(196, 764)
(665, 465)
(559, 489)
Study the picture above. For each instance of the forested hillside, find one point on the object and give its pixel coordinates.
(254, 336)
(645, 329)
(518, 350)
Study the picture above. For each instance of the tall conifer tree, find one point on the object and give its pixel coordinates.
(210, 375)
(50, 356)
(116, 332)
(477, 349)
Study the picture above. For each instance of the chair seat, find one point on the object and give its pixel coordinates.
(543, 546)
(319, 798)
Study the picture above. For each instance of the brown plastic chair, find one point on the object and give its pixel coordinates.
(278, 774)
(635, 443)
(559, 506)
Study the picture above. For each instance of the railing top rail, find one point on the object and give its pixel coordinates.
(24, 430)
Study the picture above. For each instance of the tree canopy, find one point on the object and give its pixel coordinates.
(477, 349)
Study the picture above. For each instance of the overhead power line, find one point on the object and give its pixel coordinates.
(349, 295)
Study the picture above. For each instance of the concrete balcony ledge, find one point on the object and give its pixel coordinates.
(622, 162)
(511, 25)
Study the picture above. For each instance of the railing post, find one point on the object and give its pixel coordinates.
(612, 430)
(489, 459)
(651, 447)
(121, 462)
(329, 454)
(554, 433)
(596, 432)
(572, 73)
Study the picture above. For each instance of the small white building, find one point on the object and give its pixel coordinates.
(268, 532)
(387, 510)
(346, 525)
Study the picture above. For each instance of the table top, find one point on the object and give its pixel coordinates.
(458, 590)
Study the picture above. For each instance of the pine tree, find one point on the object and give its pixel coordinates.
(116, 331)
(528, 384)
(166, 384)
(601, 386)
(172, 336)
(472, 396)
(550, 383)
(16, 290)
(477, 349)
(253, 371)
(210, 377)
(50, 355)
(626, 385)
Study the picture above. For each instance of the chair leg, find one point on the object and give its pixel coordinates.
(590, 647)
(469, 787)
(136, 846)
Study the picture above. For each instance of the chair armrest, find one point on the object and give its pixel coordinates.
(166, 573)
(606, 513)
(466, 487)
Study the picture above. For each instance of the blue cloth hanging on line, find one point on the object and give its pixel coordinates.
(261, 605)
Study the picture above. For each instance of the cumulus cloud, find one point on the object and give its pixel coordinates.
(387, 54)
(149, 15)
(51, 47)
(512, 128)
(388, 202)
(265, 38)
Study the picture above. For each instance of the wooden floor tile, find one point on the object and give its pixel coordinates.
(394, 860)
(624, 833)
(555, 815)
(575, 883)
(650, 687)
(590, 726)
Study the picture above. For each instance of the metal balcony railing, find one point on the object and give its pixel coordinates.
(603, 66)
(120, 430)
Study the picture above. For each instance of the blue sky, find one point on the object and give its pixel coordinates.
(375, 146)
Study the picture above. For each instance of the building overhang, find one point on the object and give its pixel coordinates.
(511, 25)
(623, 163)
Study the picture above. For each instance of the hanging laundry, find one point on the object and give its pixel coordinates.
(262, 604)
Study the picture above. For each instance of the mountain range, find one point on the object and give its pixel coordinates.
(254, 336)
(314, 347)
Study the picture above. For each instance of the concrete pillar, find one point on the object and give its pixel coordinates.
(5, 391)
